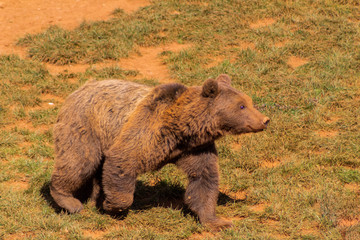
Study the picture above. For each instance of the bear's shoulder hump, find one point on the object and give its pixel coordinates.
(168, 92)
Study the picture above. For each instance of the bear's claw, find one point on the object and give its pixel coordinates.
(218, 224)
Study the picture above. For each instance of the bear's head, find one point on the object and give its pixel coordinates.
(233, 110)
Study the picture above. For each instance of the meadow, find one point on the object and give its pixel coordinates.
(298, 60)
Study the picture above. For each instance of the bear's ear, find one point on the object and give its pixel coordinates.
(210, 88)
(224, 78)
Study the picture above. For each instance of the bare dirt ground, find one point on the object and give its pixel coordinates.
(147, 62)
(20, 17)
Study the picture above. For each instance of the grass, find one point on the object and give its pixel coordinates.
(301, 177)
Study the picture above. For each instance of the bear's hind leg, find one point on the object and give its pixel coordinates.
(66, 200)
(74, 175)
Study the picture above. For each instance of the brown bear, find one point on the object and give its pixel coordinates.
(125, 129)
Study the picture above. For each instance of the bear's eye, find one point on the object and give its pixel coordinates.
(242, 107)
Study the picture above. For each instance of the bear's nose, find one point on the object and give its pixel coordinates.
(266, 121)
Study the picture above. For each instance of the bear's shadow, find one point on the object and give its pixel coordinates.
(146, 196)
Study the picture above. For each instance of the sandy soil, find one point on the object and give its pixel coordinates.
(262, 23)
(19, 18)
(148, 62)
(32, 16)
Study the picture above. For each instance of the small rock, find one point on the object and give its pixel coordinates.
(2, 5)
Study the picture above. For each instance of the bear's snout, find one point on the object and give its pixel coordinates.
(259, 124)
(266, 121)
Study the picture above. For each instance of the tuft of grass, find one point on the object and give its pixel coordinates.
(89, 43)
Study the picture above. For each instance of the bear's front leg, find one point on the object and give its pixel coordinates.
(119, 185)
(201, 166)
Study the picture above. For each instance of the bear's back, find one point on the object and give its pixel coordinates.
(101, 107)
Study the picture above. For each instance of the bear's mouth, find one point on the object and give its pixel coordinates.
(255, 129)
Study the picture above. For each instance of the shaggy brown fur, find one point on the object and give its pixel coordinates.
(131, 129)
